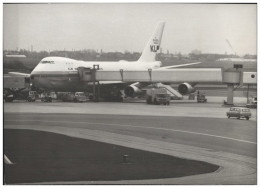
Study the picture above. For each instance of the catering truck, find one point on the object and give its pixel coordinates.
(157, 96)
(18, 88)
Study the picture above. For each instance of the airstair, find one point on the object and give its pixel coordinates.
(173, 93)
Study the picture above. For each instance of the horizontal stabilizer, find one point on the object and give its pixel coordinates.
(181, 65)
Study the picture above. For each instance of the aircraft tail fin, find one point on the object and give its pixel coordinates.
(149, 53)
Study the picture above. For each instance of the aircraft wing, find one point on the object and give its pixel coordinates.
(110, 82)
(181, 65)
(18, 74)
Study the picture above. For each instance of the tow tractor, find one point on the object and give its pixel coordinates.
(201, 98)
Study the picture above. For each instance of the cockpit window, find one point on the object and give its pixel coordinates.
(47, 62)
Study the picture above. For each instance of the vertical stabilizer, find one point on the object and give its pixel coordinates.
(153, 46)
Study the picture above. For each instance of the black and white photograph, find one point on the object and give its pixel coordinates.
(114, 93)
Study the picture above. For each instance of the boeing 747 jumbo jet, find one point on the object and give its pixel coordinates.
(61, 74)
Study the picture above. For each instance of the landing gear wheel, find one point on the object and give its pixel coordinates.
(149, 100)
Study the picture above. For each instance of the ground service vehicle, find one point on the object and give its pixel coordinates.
(80, 97)
(201, 98)
(48, 96)
(252, 103)
(16, 88)
(8, 97)
(75, 97)
(20, 94)
(32, 96)
(157, 96)
(239, 112)
(17, 82)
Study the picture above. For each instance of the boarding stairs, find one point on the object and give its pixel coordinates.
(173, 93)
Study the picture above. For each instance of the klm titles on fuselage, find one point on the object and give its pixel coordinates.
(72, 68)
(77, 68)
(47, 62)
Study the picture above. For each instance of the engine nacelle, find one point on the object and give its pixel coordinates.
(132, 91)
(135, 89)
(186, 88)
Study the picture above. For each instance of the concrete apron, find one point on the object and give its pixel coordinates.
(234, 169)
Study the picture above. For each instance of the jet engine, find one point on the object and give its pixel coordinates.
(186, 88)
(134, 89)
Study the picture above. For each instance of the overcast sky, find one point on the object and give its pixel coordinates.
(120, 27)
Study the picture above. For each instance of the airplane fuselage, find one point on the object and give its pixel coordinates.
(61, 74)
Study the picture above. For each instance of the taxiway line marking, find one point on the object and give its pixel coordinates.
(157, 128)
(7, 160)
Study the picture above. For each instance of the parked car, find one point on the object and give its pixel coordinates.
(239, 112)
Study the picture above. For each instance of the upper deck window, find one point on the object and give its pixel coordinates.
(47, 62)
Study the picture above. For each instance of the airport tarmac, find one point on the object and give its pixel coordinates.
(183, 129)
(186, 108)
